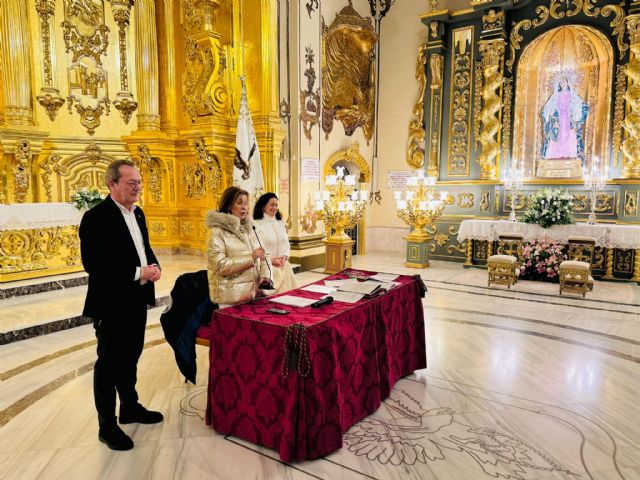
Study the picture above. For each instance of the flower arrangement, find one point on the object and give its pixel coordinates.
(86, 198)
(541, 260)
(549, 207)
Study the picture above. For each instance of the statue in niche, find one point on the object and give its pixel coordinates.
(563, 120)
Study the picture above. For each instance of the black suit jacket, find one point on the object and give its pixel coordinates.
(110, 258)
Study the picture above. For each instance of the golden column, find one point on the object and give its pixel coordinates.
(14, 48)
(631, 146)
(167, 67)
(492, 52)
(147, 66)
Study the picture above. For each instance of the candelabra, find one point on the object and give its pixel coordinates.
(340, 206)
(420, 208)
(513, 183)
(594, 180)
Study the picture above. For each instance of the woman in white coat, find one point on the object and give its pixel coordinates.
(273, 235)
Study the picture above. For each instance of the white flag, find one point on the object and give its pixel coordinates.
(247, 169)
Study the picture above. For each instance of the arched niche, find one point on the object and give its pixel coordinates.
(563, 100)
(351, 158)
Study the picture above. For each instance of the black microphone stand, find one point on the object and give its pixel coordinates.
(268, 285)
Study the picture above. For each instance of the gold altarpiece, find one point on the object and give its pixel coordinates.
(549, 86)
(88, 81)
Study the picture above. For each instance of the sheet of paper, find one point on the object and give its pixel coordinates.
(318, 288)
(346, 297)
(389, 285)
(293, 300)
(354, 286)
(384, 277)
(335, 283)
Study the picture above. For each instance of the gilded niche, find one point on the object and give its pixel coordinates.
(563, 100)
(348, 78)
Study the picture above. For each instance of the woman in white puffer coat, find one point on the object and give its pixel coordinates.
(236, 264)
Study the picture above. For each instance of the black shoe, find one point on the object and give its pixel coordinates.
(139, 414)
(114, 437)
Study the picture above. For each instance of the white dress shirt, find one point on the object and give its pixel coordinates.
(136, 235)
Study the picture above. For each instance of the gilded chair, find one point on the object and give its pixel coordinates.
(575, 273)
(504, 267)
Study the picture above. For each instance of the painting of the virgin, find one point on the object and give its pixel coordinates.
(563, 119)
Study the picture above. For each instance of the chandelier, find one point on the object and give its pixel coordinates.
(513, 182)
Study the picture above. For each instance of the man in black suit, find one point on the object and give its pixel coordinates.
(122, 269)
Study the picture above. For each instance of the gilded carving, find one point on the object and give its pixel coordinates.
(157, 228)
(172, 180)
(39, 249)
(623, 261)
(568, 8)
(22, 170)
(598, 258)
(194, 181)
(124, 102)
(204, 175)
(441, 239)
(604, 202)
(492, 53)
(309, 99)
(631, 124)
(90, 116)
(49, 97)
(618, 111)
(152, 172)
(212, 162)
(203, 79)
(461, 76)
(84, 31)
(631, 204)
(415, 150)
(310, 217)
(484, 200)
(492, 20)
(466, 200)
(580, 202)
(348, 82)
(520, 203)
(46, 168)
(436, 66)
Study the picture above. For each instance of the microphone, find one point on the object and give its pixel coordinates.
(269, 284)
(324, 301)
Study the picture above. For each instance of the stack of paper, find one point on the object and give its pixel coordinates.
(384, 277)
(318, 288)
(363, 288)
(293, 300)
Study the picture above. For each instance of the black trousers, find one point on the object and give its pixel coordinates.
(120, 343)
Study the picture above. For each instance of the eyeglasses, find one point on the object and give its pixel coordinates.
(134, 183)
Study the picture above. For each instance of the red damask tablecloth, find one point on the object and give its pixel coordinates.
(295, 383)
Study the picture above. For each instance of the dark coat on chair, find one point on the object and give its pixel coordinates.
(190, 308)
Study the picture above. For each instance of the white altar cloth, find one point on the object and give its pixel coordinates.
(606, 235)
(24, 216)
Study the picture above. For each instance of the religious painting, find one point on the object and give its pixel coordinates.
(563, 98)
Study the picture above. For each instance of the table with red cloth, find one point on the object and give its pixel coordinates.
(295, 383)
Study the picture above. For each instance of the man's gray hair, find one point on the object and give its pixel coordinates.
(113, 170)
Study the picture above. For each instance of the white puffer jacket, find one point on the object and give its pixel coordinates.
(233, 275)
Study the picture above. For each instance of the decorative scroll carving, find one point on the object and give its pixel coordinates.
(285, 111)
(492, 53)
(564, 9)
(415, 150)
(93, 152)
(22, 170)
(153, 173)
(348, 82)
(631, 146)
(198, 178)
(461, 73)
(492, 20)
(90, 116)
(205, 62)
(466, 200)
(310, 217)
(484, 200)
(312, 5)
(631, 204)
(49, 97)
(81, 16)
(46, 168)
(39, 249)
(124, 102)
(309, 100)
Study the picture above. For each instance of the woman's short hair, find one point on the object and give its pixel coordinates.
(229, 197)
(261, 203)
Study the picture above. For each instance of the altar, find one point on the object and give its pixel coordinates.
(38, 240)
(480, 236)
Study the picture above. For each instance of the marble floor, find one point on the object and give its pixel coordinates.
(520, 384)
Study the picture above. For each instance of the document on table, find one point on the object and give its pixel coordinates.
(384, 277)
(346, 297)
(335, 283)
(293, 300)
(318, 288)
(364, 288)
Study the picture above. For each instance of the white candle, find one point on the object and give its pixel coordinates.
(316, 196)
(364, 195)
(341, 206)
(397, 195)
(319, 205)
